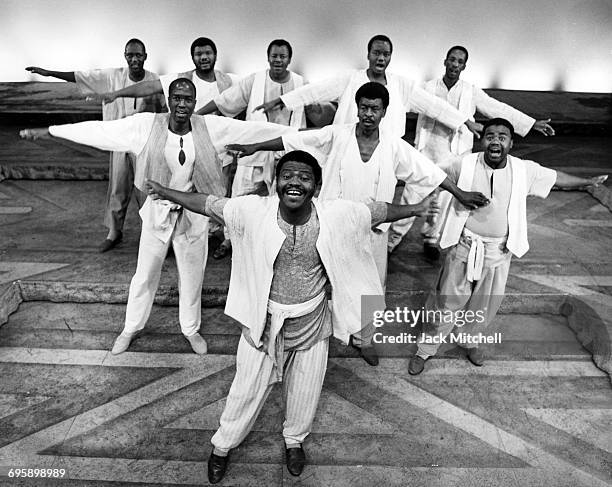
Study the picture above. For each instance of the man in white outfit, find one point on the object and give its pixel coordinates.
(254, 174)
(183, 152)
(481, 242)
(121, 168)
(441, 145)
(286, 255)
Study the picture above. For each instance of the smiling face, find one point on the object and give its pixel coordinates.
(182, 102)
(204, 58)
(496, 144)
(279, 60)
(295, 185)
(370, 112)
(454, 64)
(135, 57)
(379, 57)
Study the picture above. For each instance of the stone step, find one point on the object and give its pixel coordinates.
(95, 326)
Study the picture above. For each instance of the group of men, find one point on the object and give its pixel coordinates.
(290, 248)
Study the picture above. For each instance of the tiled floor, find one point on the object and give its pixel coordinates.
(538, 413)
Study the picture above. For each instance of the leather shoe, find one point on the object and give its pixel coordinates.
(431, 252)
(296, 459)
(109, 244)
(476, 356)
(122, 343)
(368, 354)
(216, 468)
(416, 365)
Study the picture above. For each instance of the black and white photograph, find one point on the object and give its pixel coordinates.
(336, 243)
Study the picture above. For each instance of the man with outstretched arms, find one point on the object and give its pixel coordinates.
(288, 249)
(98, 82)
(482, 241)
(183, 152)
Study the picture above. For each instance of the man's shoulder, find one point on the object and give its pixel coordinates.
(150, 75)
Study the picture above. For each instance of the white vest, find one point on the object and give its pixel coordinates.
(517, 209)
(258, 91)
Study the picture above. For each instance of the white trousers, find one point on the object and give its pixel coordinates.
(120, 188)
(190, 261)
(303, 373)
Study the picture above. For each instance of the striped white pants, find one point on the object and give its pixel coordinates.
(302, 382)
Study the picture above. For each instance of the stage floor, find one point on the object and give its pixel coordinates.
(539, 412)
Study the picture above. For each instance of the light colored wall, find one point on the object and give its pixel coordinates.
(514, 44)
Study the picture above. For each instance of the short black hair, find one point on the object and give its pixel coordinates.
(280, 43)
(498, 121)
(181, 81)
(373, 90)
(458, 48)
(201, 42)
(136, 41)
(303, 157)
(382, 38)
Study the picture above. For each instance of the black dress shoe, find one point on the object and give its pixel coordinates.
(216, 468)
(109, 244)
(296, 459)
(366, 353)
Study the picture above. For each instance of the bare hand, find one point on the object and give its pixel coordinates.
(241, 150)
(475, 128)
(154, 190)
(34, 134)
(270, 105)
(473, 199)
(592, 182)
(429, 207)
(37, 70)
(543, 127)
(101, 97)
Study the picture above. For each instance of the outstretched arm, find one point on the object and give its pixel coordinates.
(210, 107)
(249, 149)
(429, 206)
(568, 182)
(543, 127)
(270, 105)
(137, 90)
(65, 75)
(192, 201)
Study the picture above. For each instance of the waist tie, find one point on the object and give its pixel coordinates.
(476, 255)
(161, 216)
(278, 314)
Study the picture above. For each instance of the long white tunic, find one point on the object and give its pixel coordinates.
(439, 143)
(346, 176)
(253, 90)
(112, 79)
(404, 96)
